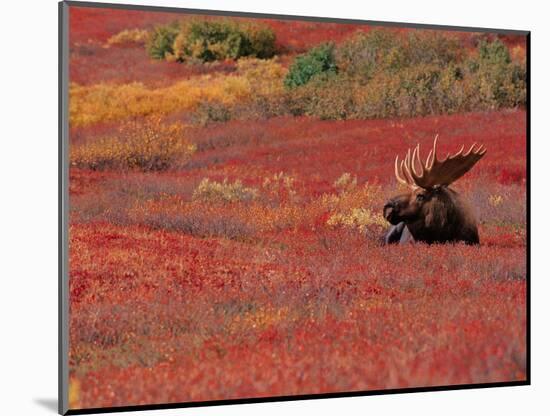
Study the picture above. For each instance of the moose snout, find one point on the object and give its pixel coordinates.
(390, 211)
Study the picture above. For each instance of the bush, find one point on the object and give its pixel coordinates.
(268, 96)
(364, 55)
(129, 37)
(416, 87)
(500, 82)
(280, 188)
(328, 99)
(382, 74)
(355, 207)
(359, 218)
(493, 53)
(219, 40)
(319, 60)
(212, 191)
(262, 41)
(148, 146)
(431, 48)
(345, 182)
(211, 112)
(255, 82)
(161, 41)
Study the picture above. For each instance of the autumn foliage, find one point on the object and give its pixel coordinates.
(223, 245)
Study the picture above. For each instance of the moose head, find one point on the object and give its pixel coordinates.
(431, 212)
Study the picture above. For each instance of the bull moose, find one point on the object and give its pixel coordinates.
(431, 212)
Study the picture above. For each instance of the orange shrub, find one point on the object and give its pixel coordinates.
(150, 145)
(107, 102)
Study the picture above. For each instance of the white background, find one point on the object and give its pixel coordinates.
(28, 204)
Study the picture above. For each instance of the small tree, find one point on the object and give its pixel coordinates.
(319, 60)
(161, 41)
(219, 40)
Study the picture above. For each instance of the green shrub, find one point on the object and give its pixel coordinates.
(319, 60)
(161, 41)
(493, 53)
(416, 88)
(262, 41)
(409, 93)
(501, 82)
(363, 55)
(219, 40)
(431, 48)
(384, 74)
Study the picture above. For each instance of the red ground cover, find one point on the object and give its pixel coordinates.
(160, 315)
(176, 299)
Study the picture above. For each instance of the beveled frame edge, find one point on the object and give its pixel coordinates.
(63, 204)
(63, 207)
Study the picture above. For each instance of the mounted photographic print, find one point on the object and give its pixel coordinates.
(265, 207)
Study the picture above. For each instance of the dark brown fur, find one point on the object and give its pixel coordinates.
(437, 215)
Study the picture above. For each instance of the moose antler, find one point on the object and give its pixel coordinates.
(436, 172)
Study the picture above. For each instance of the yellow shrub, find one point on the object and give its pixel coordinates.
(345, 182)
(74, 393)
(107, 102)
(212, 191)
(354, 206)
(496, 200)
(359, 218)
(129, 36)
(149, 145)
(352, 196)
(280, 185)
(264, 75)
